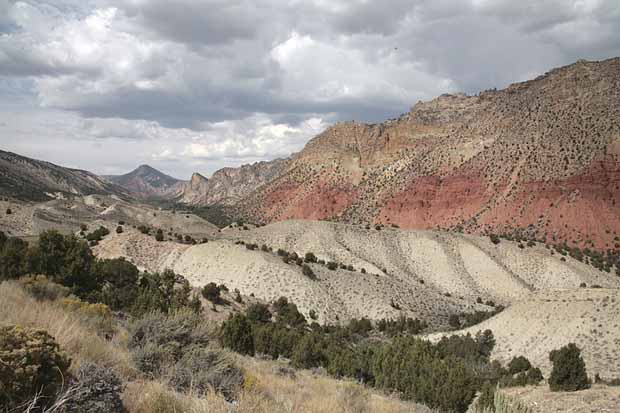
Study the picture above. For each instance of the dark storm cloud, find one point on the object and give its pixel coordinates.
(494, 43)
(205, 22)
(233, 78)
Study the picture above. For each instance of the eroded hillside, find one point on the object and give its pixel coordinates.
(424, 274)
(542, 156)
(546, 320)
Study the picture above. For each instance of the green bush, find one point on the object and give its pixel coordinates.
(310, 257)
(237, 334)
(165, 292)
(569, 369)
(13, 258)
(211, 292)
(519, 364)
(67, 260)
(31, 364)
(401, 325)
(415, 369)
(534, 376)
(118, 283)
(445, 376)
(258, 313)
(308, 352)
(332, 266)
(288, 313)
(98, 234)
(307, 271)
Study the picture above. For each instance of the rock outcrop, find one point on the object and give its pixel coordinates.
(229, 185)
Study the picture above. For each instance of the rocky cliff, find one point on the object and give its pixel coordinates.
(229, 185)
(541, 157)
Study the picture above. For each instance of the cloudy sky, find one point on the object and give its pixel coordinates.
(194, 85)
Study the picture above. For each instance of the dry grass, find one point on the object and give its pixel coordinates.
(266, 387)
(265, 392)
(71, 331)
(539, 399)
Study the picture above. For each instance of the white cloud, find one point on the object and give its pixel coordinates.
(254, 138)
(199, 84)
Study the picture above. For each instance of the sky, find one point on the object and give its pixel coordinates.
(195, 85)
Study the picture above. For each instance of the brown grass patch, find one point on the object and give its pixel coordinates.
(72, 331)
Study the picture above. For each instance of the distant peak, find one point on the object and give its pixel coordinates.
(197, 176)
(145, 167)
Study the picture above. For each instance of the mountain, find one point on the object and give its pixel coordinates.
(146, 182)
(229, 185)
(29, 179)
(540, 158)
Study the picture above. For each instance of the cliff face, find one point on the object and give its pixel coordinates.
(228, 185)
(541, 156)
(195, 189)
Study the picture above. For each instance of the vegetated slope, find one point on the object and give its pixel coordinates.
(146, 182)
(275, 386)
(29, 179)
(428, 275)
(229, 185)
(541, 156)
(67, 215)
(548, 320)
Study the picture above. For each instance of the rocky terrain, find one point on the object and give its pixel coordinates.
(541, 157)
(146, 182)
(29, 179)
(229, 185)
(424, 274)
(68, 215)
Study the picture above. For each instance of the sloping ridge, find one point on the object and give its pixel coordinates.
(30, 179)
